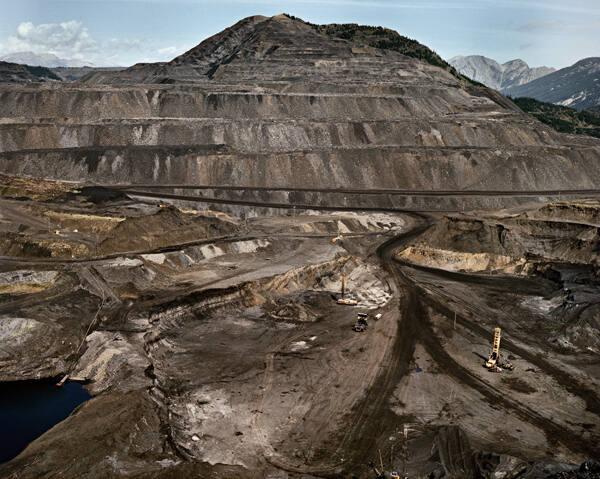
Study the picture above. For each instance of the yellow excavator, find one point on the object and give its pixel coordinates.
(494, 362)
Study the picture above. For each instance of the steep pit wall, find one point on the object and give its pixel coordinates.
(394, 167)
(511, 240)
(92, 104)
(248, 135)
(425, 133)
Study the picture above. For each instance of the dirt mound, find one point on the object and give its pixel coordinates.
(162, 229)
(81, 230)
(33, 188)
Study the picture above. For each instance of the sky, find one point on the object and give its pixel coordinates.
(123, 32)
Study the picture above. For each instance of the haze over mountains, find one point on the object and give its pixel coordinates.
(495, 75)
(48, 60)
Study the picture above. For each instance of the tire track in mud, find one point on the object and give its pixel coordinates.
(591, 398)
(416, 325)
(267, 383)
(572, 385)
(417, 295)
(372, 416)
(449, 366)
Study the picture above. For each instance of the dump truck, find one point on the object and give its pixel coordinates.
(361, 323)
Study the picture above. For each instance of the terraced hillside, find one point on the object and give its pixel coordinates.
(272, 102)
(200, 220)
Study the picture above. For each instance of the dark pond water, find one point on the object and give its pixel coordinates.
(30, 408)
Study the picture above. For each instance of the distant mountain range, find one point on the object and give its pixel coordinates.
(47, 60)
(495, 75)
(577, 86)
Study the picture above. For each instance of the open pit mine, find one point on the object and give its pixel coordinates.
(295, 251)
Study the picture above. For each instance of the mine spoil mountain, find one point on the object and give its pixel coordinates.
(177, 235)
(272, 102)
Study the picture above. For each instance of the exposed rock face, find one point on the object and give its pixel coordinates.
(215, 345)
(496, 75)
(273, 102)
(559, 241)
(576, 86)
(276, 49)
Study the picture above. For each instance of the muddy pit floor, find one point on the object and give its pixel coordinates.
(227, 354)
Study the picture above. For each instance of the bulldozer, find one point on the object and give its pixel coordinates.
(494, 362)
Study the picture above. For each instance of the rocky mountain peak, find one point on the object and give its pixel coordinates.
(495, 75)
(577, 86)
(517, 63)
(256, 37)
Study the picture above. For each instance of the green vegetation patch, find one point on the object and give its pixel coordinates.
(562, 118)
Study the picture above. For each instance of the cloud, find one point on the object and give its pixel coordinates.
(541, 26)
(128, 44)
(556, 26)
(586, 7)
(72, 40)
